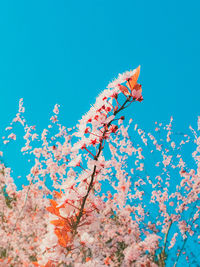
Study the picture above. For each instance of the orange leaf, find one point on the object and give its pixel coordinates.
(67, 227)
(57, 194)
(53, 211)
(50, 209)
(58, 222)
(35, 263)
(50, 264)
(124, 89)
(133, 80)
(9, 259)
(53, 203)
(62, 237)
(57, 232)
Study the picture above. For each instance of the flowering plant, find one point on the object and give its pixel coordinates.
(91, 199)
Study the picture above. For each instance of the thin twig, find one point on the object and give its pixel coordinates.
(78, 218)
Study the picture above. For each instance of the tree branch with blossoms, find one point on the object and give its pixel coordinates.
(97, 196)
(106, 130)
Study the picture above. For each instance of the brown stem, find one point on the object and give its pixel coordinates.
(79, 216)
(180, 252)
(178, 256)
(162, 255)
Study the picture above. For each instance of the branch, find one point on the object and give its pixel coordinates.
(162, 255)
(79, 216)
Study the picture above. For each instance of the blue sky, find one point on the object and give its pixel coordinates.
(66, 52)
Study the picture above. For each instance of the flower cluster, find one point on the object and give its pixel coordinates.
(91, 199)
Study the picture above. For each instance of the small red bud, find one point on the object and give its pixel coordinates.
(115, 95)
(86, 130)
(115, 108)
(114, 128)
(83, 146)
(108, 109)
